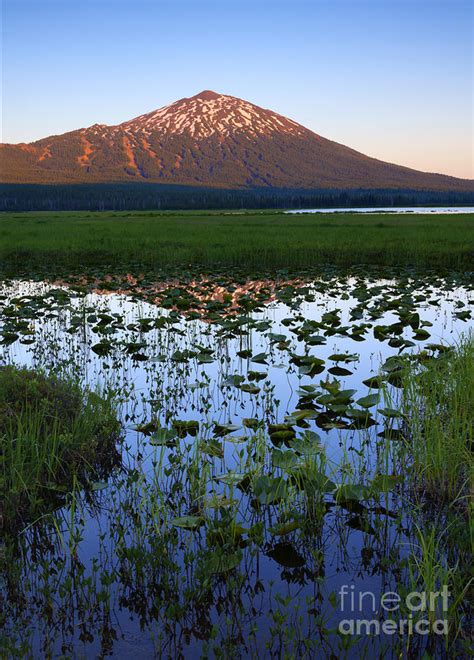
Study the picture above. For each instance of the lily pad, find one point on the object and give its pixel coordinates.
(187, 522)
(286, 555)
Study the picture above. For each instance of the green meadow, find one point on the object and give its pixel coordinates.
(244, 239)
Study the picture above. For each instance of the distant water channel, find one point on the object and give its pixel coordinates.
(393, 209)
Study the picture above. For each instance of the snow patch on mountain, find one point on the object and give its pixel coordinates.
(209, 113)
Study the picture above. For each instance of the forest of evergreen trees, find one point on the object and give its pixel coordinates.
(136, 196)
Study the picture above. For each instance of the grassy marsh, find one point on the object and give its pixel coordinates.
(252, 240)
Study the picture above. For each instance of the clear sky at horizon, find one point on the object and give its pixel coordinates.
(390, 78)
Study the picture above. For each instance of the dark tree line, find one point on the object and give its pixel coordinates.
(128, 197)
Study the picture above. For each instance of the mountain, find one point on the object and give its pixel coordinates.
(211, 140)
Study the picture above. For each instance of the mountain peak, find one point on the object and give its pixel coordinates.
(206, 95)
(209, 114)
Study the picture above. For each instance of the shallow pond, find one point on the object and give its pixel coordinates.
(212, 538)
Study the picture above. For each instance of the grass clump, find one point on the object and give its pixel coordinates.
(51, 433)
(438, 404)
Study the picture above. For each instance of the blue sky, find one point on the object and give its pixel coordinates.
(391, 78)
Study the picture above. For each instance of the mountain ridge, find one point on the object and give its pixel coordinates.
(209, 139)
